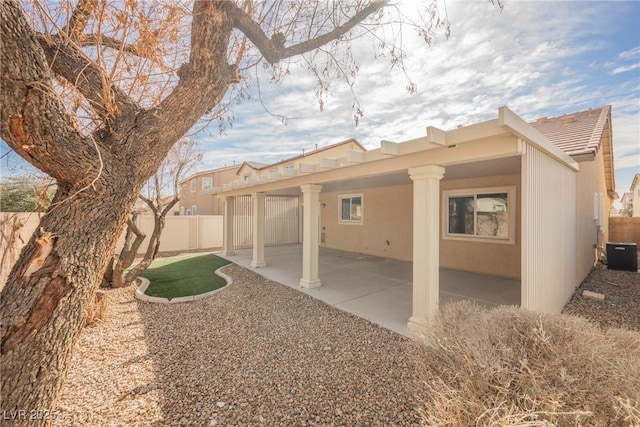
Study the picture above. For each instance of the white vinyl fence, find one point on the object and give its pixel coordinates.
(281, 221)
(181, 233)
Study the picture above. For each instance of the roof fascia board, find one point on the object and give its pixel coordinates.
(436, 136)
(492, 148)
(513, 123)
(474, 132)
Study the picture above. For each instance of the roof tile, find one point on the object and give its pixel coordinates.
(575, 133)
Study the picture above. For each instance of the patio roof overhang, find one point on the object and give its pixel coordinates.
(480, 143)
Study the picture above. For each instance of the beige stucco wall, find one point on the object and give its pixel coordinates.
(590, 179)
(498, 259)
(206, 203)
(387, 228)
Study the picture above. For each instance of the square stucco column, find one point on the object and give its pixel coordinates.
(426, 246)
(311, 235)
(227, 227)
(257, 200)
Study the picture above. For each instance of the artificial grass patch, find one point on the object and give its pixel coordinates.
(173, 278)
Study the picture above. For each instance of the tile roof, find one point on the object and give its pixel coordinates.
(575, 133)
(256, 165)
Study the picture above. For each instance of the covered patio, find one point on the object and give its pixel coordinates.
(420, 201)
(374, 288)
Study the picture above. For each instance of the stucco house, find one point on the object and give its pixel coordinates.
(635, 195)
(251, 172)
(195, 191)
(503, 197)
(626, 203)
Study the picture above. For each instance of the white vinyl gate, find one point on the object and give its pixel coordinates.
(281, 221)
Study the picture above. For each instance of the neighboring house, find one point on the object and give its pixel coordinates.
(635, 195)
(196, 191)
(627, 203)
(502, 197)
(251, 171)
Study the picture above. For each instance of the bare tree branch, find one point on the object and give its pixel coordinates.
(94, 40)
(87, 77)
(273, 48)
(79, 17)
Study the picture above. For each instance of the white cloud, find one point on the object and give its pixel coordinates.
(631, 53)
(539, 58)
(625, 68)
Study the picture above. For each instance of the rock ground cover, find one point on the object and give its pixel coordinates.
(621, 306)
(260, 353)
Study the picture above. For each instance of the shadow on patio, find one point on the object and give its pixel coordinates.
(374, 288)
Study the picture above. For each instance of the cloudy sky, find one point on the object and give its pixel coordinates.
(539, 58)
(542, 58)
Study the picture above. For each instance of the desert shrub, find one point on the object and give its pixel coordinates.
(512, 367)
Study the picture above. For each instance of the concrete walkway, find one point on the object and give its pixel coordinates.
(374, 288)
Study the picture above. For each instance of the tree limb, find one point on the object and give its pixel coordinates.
(203, 80)
(171, 204)
(79, 18)
(67, 62)
(94, 40)
(33, 121)
(128, 253)
(273, 48)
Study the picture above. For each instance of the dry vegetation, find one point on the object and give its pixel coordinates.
(510, 367)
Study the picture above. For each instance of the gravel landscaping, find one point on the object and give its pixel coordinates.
(621, 306)
(260, 353)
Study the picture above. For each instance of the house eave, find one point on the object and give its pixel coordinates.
(492, 139)
(584, 157)
(517, 126)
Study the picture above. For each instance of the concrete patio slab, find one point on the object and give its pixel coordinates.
(377, 289)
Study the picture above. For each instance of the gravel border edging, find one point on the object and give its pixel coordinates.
(140, 291)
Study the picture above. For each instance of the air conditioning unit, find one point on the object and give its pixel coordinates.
(622, 256)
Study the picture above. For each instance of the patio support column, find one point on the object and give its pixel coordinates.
(227, 227)
(426, 246)
(310, 235)
(257, 200)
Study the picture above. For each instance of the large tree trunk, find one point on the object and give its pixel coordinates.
(55, 281)
(44, 303)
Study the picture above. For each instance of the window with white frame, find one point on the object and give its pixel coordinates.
(480, 214)
(351, 208)
(207, 184)
(192, 184)
(247, 176)
(194, 210)
(288, 167)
